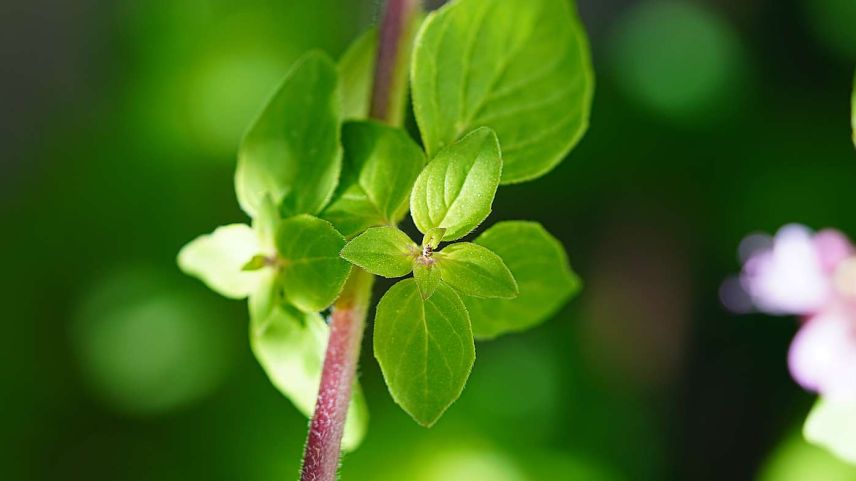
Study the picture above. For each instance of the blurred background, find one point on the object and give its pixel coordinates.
(119, 125)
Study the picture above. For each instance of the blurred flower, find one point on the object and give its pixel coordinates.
(793, 272)
(812, 275)
(822, 357)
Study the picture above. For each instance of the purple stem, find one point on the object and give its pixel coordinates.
(321, 457)
(396, 21)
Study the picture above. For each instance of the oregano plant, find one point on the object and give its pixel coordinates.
(501, 92)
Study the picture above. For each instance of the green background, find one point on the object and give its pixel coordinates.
(119, 125)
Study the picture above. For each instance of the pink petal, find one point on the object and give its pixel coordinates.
(832, 247)
(822, 356)
(788, 278)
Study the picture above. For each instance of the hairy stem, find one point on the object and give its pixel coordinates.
(323, 443)
(321, 457)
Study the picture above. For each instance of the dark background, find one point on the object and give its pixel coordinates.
(119, 122)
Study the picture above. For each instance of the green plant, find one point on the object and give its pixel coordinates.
(501, 91)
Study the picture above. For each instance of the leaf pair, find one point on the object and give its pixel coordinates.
(288, 263)
(423, 337)
(471, 269)
(302, 255)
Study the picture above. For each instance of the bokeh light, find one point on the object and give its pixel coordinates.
(677, 59)
(146, 346)
(466, 463)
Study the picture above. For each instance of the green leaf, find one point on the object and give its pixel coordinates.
(832, 424)
(218, 260)
(383, 251)
(545, 280)
(433, 237)
(520, 67)
(425, 348)
(291, 152)
(356, 71)
(381, 164)
(456, 189)
(426, 272)
(853, 111)
(266, 223)
(313, 274)
(476, 271)
(290, 345)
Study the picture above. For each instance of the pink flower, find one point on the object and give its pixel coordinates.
(792, 272)
(812, 275)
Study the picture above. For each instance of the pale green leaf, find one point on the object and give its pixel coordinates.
(544, 278)
(381, 164)
(290, 346)
(313, 274)
(218, 259)
(356, 73)
(455, 191)
(832, 424)
(427, 275)
(520, 67)
(476, 271)
(291, 151)
(425, 348)
(383, 251)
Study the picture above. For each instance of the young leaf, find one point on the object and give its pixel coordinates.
(291, 152)
(218, 260)
(427, 276)
(425, 348)
(256, 263)
(356, 71)
(290, 345)
(383, 251)
(433, 237)
(381, 164)
(520, 67)
(476, 271)
(539, 264)
(456, 189)
(313, 274)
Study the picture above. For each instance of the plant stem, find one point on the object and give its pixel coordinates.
(393, 56)
(321, 457)
(323, 443)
